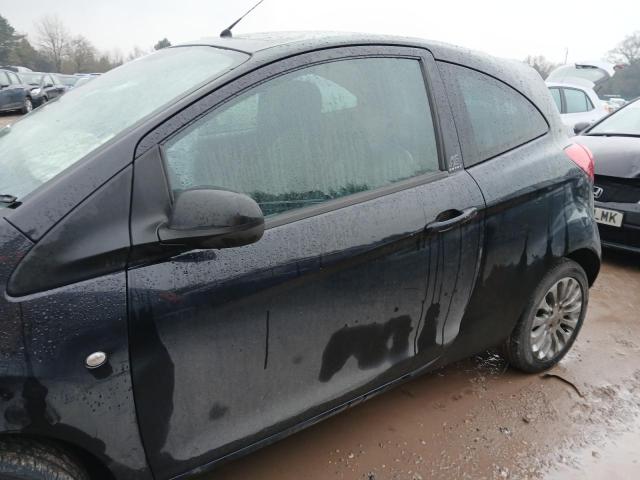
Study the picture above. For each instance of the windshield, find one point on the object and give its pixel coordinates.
(625, 121)
(31, 78)
(69, 81)
(55, 136)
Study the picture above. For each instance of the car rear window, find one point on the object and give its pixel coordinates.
(492, 116)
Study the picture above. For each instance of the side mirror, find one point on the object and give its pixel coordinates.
(207, 218)
(48, 85)
(581, 126)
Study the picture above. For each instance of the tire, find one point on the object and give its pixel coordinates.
(25, 459)
(551, 320)
(27, 106)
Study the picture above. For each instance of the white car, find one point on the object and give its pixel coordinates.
(573, 88)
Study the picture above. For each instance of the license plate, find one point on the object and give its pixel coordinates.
(609, 217)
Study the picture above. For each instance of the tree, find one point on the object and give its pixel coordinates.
(25, 55)
(540, 64)
(164, 43)
(53, 40)
(137, 52)
(82, 55)
(628, 50)
(8, 40)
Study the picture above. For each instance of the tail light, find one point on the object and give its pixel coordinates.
(581, 156)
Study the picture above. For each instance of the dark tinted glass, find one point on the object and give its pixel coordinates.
(496, 117)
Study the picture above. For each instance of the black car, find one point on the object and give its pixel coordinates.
(43, 86)
(14, 93)
(223, 242)
(615, 144)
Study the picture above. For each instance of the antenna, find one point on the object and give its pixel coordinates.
(226, 33)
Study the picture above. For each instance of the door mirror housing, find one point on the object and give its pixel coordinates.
(580, 127)
(207, 218)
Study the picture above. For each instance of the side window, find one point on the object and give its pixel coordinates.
(334, 97)
(312, 135)
(4, 80)
(15, 79)
(577, 101)
(555, 94)
(496, 119)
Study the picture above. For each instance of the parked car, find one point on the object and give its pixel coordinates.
(14, 94)
(575, 88)
(615, 143)
(577, 102)
(44, 86)
(15, 68)
(220, 243)
(83, 81)
(69, 81)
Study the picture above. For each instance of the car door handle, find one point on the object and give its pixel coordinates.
(450, 219)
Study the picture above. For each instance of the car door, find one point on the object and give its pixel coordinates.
(49, 87)
(578, 107)
(17, 90)
(363, 273)
(5, 92)
(58, 85)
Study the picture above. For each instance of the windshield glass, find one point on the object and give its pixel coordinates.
(69, 81)
(625, 121)
(55, 136)
(31, 78)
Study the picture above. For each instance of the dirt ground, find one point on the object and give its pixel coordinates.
(7, 119)
(478, 419)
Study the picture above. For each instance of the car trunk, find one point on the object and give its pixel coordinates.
(596, 72)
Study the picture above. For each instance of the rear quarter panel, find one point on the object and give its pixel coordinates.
(539, 210)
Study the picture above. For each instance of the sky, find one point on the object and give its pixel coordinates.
(514, 29)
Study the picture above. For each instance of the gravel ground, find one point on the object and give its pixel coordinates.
(478, 419)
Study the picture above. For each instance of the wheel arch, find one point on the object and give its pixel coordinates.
(588, 260)
(97, 469)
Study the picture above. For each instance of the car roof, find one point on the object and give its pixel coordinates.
(297, 41)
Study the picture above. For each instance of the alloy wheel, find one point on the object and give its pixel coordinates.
(556, 318)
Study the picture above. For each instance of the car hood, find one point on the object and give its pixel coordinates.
(614, 156)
